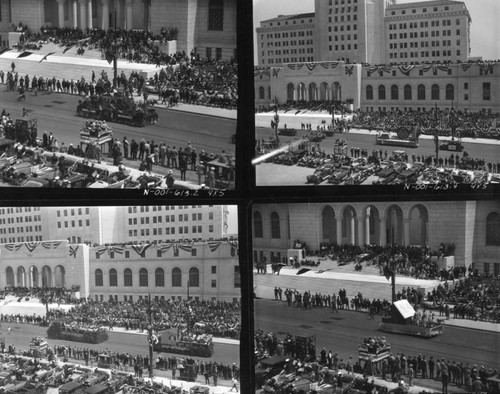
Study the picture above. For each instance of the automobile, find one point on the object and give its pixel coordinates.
(407, 176)
(386, 172)
(455, 146)
(288, 132)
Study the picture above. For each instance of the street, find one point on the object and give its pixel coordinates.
(269, 174)
(56, 113)
(133, 344)
(342, 332)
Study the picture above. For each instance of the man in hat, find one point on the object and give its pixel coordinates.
(170, 179)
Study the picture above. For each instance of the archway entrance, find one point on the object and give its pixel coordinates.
(419, 217)
(329, 225)
(394, 225)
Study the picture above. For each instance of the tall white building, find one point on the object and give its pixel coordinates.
(114, 224)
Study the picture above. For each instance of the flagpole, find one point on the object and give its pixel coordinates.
(150, 337)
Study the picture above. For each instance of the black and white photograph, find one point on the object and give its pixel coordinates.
(385, 92)
(102, 299)
(376, 297)
(114, 94)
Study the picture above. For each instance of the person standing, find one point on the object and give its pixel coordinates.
(125, 147)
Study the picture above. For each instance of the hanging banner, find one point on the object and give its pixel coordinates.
(214, 245)
(466, 66)
(165, 247)
(99, 251)
(13, 247)
(295, 66)
(349, 70)
(311, 66)
(406, 69)
(141, 249)
(31, 246)
(115, 249)
(186, 247)
(276, 72)
(73, 250)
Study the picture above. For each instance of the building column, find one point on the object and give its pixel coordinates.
(53, 272)
(75, 13)
(294, 93)
(105, 15)
(353, 229)
(406, 231)
(367, 228)
(339, 231)
(89, 18)
(383, 235)
(361, 241)
(60, 12)
(129, 14)
(83, 14)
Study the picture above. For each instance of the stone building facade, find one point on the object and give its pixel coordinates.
(473, 226)
(126, 272)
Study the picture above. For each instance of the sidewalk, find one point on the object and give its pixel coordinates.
(473, 325)
(295, 121)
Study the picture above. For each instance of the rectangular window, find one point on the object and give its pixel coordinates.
(193, 252)
(237, 277)
(486, 91)
(214, 269)
(214, 283)
(216, 15)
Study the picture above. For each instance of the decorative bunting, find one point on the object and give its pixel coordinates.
(234, 248)
(13, 247)
(73, 250)
(176, 249)
(486, 67)
(466, 66)
(31, 246)
(406, 69)
(165, 247)
(186, 247)
(349, 70)
(295, 66)
(214, 245)
(443, 67)
(311, 66)
(141, 249)
(55, 244)
(328, 65)
(261, 72)
(276, 72)
(100, 250)
(115, 249)
(51, 244)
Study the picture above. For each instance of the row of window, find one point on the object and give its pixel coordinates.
(424, 54)
(7, 211)
(72, 212)
(423, 24)
(423, 34)
(289, 51)
(341, 28)
(423, 44)
(73, 223)
(259, 228)
(421, 92)
(15, 230)
(130, 298)
(170, 218)
(294, 22)
(159, 277)
(169, 231)
(159, 208)
(344, 9)
(289, 60)
(29, 238)
(20, 219)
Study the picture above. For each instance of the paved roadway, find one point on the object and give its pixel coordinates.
(56, 113)
(269, 174)
(342, 332)
(118, 342)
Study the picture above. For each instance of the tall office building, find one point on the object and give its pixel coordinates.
(350, 30)
(286, 39)
(429, 31)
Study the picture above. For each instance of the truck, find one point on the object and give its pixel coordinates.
(23, 130)
(173, 341)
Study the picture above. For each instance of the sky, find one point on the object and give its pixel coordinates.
(485, 14)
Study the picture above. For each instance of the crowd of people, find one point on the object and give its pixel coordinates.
(398, 366)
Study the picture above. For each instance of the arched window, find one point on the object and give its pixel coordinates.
(98, 278)
(216, 15)
(262, 93)
(381, 92)
(143, 277)
(407, 90)
(159, 277)
(127, 277)
(435, 92)
(394, 92)
(369, 92)
(290, 92)
(450, 92)
(421, 92)
(275, 225)
(176, 277)
(257, 225)
(113, 277)
(194, 277)
(493, 229)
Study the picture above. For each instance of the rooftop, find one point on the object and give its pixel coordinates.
(425, 4)
(280, 18)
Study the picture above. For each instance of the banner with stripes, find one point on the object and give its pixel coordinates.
(51, 244)
(276, 72)
(443, 67)
(328, 65)
(466, 66)
(186, 247)
(234, 248)
(31, 246)
(311, 66)
(13, 247)
(100, 250)
(141, 249)
(115, 249)
(214, 245)
(349, 70)
(295, 66)
(406, 69)
(73, 250)
(176, 249)
(165, 247)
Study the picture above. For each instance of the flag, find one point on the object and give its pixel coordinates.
(46, 56)
(13, 247)
(141, 249)
(116, 249)
(214, 245)
(73, 250)
(388, 272)
(31, 246)
(109, 56)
